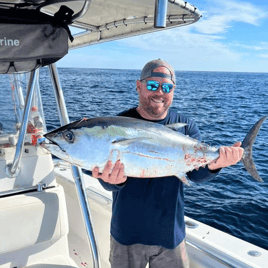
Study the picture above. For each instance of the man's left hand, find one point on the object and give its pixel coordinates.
(228, 156)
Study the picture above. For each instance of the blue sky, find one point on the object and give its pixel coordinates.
(231, 36)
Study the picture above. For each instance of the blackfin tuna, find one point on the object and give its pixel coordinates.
(146, 149)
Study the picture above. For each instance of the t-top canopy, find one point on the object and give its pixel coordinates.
(106, 20)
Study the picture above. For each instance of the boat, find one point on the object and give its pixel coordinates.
(52, 215)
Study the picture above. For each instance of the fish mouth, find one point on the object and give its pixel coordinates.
(55, 149)
(47, 142)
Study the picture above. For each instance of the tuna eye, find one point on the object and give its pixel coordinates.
(68, 136)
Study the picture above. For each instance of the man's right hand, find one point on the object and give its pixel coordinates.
(111, 174)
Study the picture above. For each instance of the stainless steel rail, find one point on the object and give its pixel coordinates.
(63, 114)
(160, 13)
(186, 6)
(183, 18)
(82, 39)
(17, 83)
(38, 94)
(12, 169)
(77, 173)
(82, 12)
(39, 187)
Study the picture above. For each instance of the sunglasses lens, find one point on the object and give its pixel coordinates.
(167, 87)
(152, 85)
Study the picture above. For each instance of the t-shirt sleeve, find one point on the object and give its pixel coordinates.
(192, 130)
(107, 186)
(111, 187)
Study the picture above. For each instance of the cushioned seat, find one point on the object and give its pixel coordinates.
(34, 227)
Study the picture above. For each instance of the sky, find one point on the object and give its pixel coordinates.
(230, 36)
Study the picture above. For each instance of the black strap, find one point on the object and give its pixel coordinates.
(63, 18)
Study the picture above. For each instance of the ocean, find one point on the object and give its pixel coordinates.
(224, 105)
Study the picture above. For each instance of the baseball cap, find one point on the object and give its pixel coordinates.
(148, 70)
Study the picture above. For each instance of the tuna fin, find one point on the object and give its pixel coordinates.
(124, 142)
(247, 143)
(176, 126)
(182, 178)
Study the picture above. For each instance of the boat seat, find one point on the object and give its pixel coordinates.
(34, 226)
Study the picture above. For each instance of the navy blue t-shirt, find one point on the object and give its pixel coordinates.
(150, 211)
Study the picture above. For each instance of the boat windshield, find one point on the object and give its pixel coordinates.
(12, 102)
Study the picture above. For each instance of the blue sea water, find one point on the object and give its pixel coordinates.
(224, 106)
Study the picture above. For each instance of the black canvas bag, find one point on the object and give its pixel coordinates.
(30, 39)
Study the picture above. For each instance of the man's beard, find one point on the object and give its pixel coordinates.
(154, 111)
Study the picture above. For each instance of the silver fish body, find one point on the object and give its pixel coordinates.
(146, 149)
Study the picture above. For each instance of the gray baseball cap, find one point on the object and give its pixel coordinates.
(148, 70)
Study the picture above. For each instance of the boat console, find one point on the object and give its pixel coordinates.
(36, 166)
(33, 214)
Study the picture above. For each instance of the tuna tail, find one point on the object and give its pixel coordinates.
(247, 146)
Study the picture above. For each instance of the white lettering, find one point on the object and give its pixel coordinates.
(9, 42)
(16, 42)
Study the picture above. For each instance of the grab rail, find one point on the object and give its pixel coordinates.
(39, 188)
(16, 84)
(77, 173)
(12, 169)
(75, 17)
(82, 12)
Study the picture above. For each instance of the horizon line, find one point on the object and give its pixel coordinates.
(261, 72)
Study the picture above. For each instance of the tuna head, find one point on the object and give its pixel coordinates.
(76, 142)
(59, 143)
(65, 142)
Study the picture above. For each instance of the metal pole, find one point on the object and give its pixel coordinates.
(12, 170)
(160, 14)
(40, 104)
(62, 110)
(77, 173)
(18, 89)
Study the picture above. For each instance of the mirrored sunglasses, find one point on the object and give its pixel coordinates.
(154, 85)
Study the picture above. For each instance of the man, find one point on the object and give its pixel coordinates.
(148, 214)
